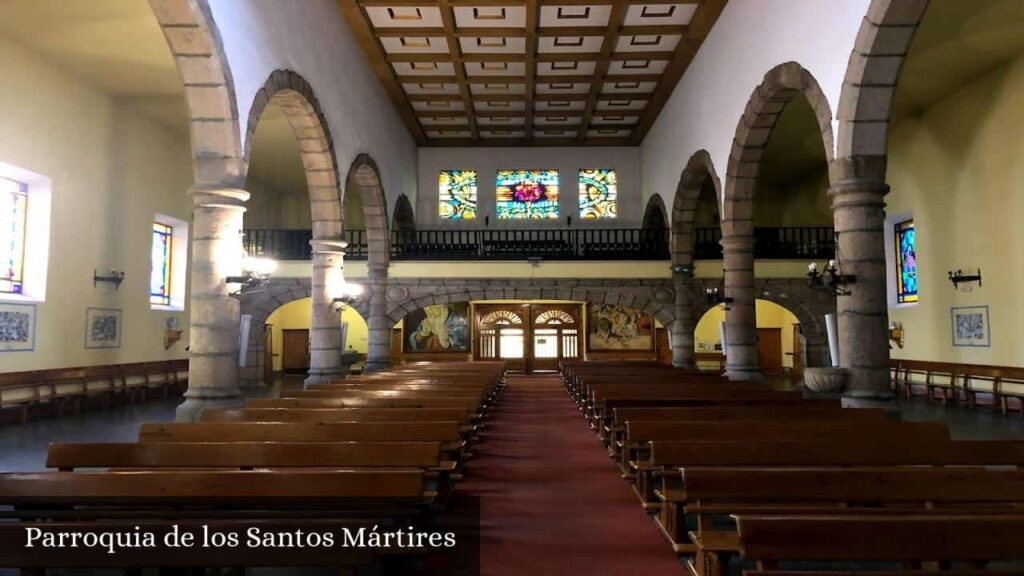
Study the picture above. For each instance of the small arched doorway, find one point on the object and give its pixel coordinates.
(780, 340)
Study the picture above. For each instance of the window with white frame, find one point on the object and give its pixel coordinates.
(13, 231)
(24, 234)
(167, 263)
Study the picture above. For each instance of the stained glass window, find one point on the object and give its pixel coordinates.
(527, 194)
(13, 222)
(598, 193)
(906, 262)
(160, 265)
(456, 190)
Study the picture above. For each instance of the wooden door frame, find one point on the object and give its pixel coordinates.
(573, 310)
(284, 339)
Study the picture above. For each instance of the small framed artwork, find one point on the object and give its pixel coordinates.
(970, 326)
(17, 327)
(102, 328)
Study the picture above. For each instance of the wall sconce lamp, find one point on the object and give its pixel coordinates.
(682, 270)
(832, 279)
(716, 296)
(896, 334)
(959, 277)
(115, 278)
(256, 274)
(348, 294)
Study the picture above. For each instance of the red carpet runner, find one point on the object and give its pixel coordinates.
(552, 502)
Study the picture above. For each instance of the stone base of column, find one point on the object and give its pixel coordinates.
(868, 385)
(748, 373)
(191, 410)
(325, 377)
(375, 366)
(686, 365)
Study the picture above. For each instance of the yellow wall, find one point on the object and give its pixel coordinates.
(111, 170)
(959, 168)
(769, 315)
(296, 315)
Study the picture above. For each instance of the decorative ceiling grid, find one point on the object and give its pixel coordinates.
(530, 72)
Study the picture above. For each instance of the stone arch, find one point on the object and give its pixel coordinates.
(260, 305)
(780, 85)
(294, 96)
(404, 218)
(364, 179)
(655, 215)
(192, 35)
(865, 102)
(699, 168)
(808, 305)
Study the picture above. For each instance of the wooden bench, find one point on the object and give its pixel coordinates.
(715, 433)
(771, 541)
(668, 457)
(711, 495)
(971, 384)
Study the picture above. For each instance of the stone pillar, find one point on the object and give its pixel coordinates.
(682, 329)
(862, 316)
(741, 315)
(378, 356)
(213, 333)
(325, 329)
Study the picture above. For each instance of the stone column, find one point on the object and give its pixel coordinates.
(325, 329)
(214, 314)
(862, 316)
(378, 356)
(682, 329)
(741, 316)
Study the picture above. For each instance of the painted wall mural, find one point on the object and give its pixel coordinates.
(613, 327)
(438, 328)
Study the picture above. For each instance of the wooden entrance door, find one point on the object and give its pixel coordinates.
(295, 350)
(769, 351)
(555, 334)
(501, 332)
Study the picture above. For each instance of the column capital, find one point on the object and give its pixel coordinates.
(738, 242)
(859, 186)
(328, 245)
(205, 196)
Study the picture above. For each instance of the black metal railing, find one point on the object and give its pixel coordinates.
(579, 244)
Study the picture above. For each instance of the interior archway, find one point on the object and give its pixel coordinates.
(295, 316)
(780, 339)
(698, 184)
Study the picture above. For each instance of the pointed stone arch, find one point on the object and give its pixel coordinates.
(404, 218)
(655, 215)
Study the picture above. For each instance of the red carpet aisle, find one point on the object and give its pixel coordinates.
(551, 500)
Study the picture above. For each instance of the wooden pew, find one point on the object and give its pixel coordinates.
(713, 493)
(716, 433)
(604, 403)
(664, 479)
(870, 423)
(771, 541)
(337, 415)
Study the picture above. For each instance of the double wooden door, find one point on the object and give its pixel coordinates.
(529, 337)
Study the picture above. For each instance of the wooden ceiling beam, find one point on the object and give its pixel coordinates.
(455, 50)
(522, 142)
(611, 37)
(359, 22)
(704, 18)
(524, 97)
(481, 32)
(532, 22)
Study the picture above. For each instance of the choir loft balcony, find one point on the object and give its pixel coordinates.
(792, 243)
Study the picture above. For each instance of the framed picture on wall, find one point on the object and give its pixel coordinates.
(438, 328)
(102, 328)
(970, 326)
(614, 327)
(17, 327)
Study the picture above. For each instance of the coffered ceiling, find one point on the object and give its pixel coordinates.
(530, 72)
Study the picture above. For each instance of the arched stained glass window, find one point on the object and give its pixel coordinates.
(599, 192)
(906, 262)
(456, 191)
(502, 317)
(555, 317)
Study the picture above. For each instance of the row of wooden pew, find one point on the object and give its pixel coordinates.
(380, 451)
(970, 385)
(61, 390)
(741, 477)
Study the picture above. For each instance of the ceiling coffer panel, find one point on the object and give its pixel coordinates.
(525, 72)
